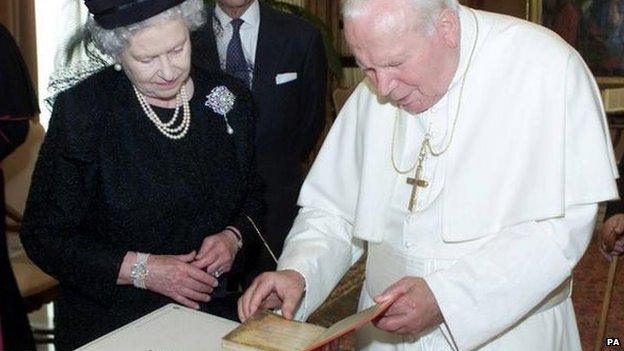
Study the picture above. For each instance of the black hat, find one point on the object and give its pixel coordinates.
(118, 13)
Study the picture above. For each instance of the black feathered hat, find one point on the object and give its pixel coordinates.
(111, 14)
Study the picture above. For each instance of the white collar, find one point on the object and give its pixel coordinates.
(250, 16)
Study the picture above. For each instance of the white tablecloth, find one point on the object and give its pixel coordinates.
(172, 327)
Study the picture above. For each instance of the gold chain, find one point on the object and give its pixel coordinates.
(426, 145)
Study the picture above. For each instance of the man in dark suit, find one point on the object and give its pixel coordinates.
(282, 59)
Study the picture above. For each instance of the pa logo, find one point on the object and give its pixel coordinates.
(612, 342)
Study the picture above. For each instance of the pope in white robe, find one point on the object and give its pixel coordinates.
(520, 156)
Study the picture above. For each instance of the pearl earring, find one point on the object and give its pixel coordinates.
(118, 67)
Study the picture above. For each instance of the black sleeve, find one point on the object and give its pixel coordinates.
(313, 96)
(249, 220)
(55, 230)
(12, 134)
(253, 208)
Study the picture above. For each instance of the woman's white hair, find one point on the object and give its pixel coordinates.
(426, 11)
(112, 42)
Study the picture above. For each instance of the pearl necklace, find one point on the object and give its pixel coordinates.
(168, 129)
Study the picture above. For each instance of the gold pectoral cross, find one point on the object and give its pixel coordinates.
(416, 182)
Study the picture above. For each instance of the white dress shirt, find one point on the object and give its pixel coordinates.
(248, 32)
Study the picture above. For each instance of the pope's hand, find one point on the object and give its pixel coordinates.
(612, 240)
(282, 289)
(175, 277)
(414, 311)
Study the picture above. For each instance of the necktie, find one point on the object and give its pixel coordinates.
(235, 62)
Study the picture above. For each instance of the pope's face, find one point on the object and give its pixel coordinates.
(411, 69)
(157, 59)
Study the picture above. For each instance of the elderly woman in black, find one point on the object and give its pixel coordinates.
(145, 189)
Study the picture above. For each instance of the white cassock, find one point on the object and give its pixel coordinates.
(509, 208)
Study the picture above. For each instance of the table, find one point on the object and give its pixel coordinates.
(172, 327)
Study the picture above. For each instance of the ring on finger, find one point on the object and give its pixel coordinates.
(217, 273)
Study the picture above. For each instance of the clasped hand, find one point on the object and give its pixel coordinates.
(217, 253)
(189, 279)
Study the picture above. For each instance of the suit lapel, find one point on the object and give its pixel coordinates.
(268, 49)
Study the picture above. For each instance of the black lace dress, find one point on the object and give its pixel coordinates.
(107, 182)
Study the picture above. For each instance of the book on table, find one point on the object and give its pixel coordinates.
(268, 331)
